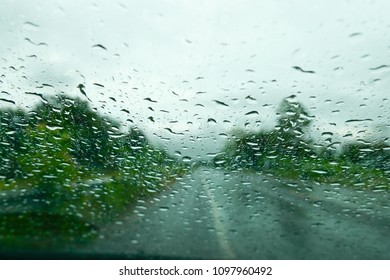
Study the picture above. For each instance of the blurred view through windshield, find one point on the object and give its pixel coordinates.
(195, 129)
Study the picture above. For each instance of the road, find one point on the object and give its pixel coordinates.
(215, 214)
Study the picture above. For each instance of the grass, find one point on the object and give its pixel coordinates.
(72, 212)
(332, 172)
(43, 230)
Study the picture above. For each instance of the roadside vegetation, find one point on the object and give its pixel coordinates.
(288, 151)
(65, 169)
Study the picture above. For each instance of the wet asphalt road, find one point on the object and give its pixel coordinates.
(215, 214)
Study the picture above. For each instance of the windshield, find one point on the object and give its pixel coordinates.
(195, 129)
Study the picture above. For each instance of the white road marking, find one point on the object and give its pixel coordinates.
(220, 228)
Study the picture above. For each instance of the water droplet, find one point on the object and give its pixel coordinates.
(322, 172)
(355, 34)
(150, 100)
(187, 159)
(7, 100)
(303, 71)
(221, 103)
(327, 133)
(381, 67)
(252, 113)
(54, 128)
(99, 46)
(31, 24)
(358, 120)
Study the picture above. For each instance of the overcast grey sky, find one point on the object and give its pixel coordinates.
(203, 51)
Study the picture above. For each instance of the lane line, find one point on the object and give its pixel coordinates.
(220, 228)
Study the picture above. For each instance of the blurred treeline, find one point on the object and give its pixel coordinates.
(289, 152)
(64, 158)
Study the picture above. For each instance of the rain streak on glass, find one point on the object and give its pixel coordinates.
(197, 130)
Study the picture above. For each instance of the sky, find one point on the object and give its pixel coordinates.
(168, 63)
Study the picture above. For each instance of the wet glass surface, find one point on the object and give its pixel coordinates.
(195, 130)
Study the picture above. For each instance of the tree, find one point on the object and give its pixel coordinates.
(89, 142)
(285, 145)
(293, 117)
(293, 122)
(47, 161)
(368, 154)
(12, 133)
